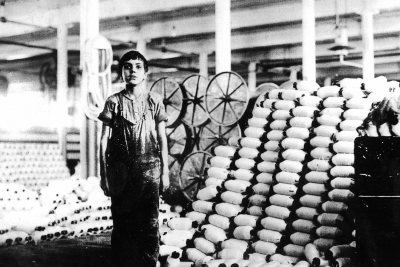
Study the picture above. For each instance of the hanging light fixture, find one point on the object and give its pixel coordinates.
(341, 41)
(341, 45)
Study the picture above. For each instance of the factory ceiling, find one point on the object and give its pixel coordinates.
(268, 32)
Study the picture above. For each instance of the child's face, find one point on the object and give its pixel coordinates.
(133, 72)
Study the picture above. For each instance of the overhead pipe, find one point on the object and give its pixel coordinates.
(3, 19)
(166, 66)
(163, 48)
(120, 42)
(348, 63)
(142, 47)
(320, 60)
(8, 42)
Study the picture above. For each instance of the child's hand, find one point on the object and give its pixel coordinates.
(165, 181)
(105, 187)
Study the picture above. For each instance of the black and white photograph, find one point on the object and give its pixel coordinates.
(199, 133)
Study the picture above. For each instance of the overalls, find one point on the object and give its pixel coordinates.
(136, 166)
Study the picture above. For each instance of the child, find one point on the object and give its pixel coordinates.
(134, 155)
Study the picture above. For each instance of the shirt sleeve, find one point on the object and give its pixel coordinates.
(107, 115)
(160, 114)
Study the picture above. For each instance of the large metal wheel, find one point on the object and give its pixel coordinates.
(179, 140)
(195, 88)
(172, 95)
(212, 135)
(192, 175)
(227, 97)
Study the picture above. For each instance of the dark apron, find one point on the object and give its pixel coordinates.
(125, 157)
(134, 181)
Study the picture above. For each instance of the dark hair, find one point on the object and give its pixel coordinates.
(133, 54)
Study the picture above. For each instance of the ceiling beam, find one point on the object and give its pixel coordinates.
(163, 15)
(260, 36)
(261, 30)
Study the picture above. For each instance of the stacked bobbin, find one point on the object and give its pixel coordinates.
(323, 228)
(200, 249)
(64, 209)
(230, 200)
(355, 109)
(232, 225)
(284, 173)
(261, 170)
(297, 157)
(256, 143)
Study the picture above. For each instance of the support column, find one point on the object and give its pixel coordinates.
(309, 65)
(141, 46)
(203, 64)
(89, 27)
(327, 81)
(368, 41)
(252, 78)
(222, 35)
(62, 85)
(293, 73)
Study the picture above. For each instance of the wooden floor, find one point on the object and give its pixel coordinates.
(81, 252)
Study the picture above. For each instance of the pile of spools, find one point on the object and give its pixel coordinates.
(281, 195)
(73, 208)
(33, 165)
(40, 202)
(175, 232)
(65, 208)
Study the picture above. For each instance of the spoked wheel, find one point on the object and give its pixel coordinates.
(261, 90)
(179, 140)
(172, 95)
(195, 88)
(192, 177)
(227, 97)
(212, 135)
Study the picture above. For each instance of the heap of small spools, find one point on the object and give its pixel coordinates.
(66, 208)
(175, 233)
(33, 165)
(281, 195)
(76, 208)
